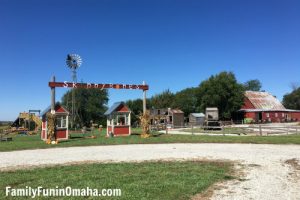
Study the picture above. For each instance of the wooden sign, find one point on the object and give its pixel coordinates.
(100, 86)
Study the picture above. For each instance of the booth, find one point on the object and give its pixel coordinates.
(118, 120)
(62, 121)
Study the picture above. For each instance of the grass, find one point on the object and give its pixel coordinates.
(147, 180)
(34, 141)
(4, 127)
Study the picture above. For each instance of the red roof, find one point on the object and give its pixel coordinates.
(263, 100)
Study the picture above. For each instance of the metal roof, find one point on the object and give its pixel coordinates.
(211, 109)
(114, 107)
(264, 101)
(176, 111)
(268, 110)
(198, 114)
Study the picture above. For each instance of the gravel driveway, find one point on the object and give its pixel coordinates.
(270, 171)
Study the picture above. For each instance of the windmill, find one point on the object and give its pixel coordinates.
(73, 61)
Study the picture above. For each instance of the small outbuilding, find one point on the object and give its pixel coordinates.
(212, 114)
(118, 120)
(62, 121)
(167, 116)
(196, 119)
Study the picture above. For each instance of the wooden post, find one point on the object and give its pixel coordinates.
(260, 131)
(53, 96)
(223, 131)
(144, 99)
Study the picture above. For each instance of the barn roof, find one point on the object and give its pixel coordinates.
(264, 101)
(114, 107)
(268, 110)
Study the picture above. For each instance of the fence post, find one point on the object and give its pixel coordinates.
(287, 132)
(192, 130)
(296, 130)
(223, 130)
(260, 131)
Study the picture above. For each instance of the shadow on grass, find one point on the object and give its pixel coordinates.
(157, 134)
(151, 134)
(76, 137)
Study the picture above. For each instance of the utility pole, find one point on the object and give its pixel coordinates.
(53, 96)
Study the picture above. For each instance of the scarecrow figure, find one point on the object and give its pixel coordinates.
(145, 123)
(51, 127)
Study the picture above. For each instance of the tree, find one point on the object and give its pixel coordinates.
(292, 100)
(252, 85)
(136, 107)
(162, 100)
(186, 100)
(222, 91)
(90, 103)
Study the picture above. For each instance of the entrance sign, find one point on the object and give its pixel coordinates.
(101, 86)
(53, 84)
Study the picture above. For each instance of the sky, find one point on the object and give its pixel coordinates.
(170, 44)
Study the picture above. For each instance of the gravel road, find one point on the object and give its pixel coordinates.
(270, 171)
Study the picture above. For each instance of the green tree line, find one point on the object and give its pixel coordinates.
(221, 90)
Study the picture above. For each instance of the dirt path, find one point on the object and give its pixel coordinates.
(271, 171)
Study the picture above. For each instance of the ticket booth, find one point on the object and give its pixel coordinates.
(62, 120)
(118, 120)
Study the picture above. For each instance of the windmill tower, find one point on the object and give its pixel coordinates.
(73, 61)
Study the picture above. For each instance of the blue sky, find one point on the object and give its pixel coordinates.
(169, 44)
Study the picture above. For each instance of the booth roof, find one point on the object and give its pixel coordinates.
(114, 107)
(49, 108)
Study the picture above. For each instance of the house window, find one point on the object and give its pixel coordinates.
(276, 114)
(61, 121)
(267, 114)
(282, 114)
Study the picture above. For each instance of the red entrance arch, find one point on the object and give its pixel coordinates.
(66, 84)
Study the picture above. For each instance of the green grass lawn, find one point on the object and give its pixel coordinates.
(148, 180)
(34, 141)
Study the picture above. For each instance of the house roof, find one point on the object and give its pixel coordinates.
(264, 101)
(114, 107)
(49, 108)
(197, 114)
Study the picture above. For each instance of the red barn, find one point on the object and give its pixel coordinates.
(62, 121)
(118, 120)
(264, 107)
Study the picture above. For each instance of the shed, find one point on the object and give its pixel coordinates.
(212, 114)
(175, 118)
(118, 120)
(196, 119)
(62, 121)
